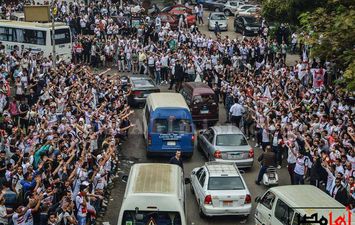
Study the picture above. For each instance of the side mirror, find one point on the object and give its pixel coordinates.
(242, 171)
(201, 131)
(257, 199)
(187, 180)
(193, 172)
(124, 178)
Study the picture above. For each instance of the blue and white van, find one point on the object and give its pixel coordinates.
(167, 125)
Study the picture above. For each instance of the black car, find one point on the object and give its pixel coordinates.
(247, 25)
(141, 87)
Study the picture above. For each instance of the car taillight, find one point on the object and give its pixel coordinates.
(251, 153)
(193, 139)
(247, 199)
(217, 154)
(137, 93)
(208, 200)
(149, 139)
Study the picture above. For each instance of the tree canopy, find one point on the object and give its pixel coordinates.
(328, 27)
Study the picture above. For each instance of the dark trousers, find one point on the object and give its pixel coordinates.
(164, 73)
(278, 154)
(291, 168)
(298, 179)
(315, 182)
(262, 171)
(264, 144)
(236, 120)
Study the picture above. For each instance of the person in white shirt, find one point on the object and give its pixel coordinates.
(301, 168)
(237, 111)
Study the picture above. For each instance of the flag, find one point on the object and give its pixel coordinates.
(318, 77)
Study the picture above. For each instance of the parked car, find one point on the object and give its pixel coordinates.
(141, 87)
(214, 5)
(230, 7)
(172, 19)
(217, 17)
(220, 190)
(227, 144)
(201, 101)
(247, 25)
(247, 10)
(179, 10)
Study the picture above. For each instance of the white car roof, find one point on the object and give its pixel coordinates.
(218, 169)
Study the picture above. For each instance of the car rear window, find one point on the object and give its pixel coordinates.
(203, 98)
(164, 126)
(225, 183)
(231, 140)
(143, 83)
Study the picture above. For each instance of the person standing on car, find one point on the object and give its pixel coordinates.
(266, 159)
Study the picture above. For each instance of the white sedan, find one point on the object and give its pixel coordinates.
(220, 190)
(217, 17)
(247, 10)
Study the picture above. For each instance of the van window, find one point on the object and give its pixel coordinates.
(172, 125)
(283, 212)
(296, 218)
(151, 217)
(147, 114)
(268, 200)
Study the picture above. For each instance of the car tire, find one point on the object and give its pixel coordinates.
(217, 9)
(227, 12)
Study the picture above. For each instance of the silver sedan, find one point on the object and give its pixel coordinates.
(227, 144)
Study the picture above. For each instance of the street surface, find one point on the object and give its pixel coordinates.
(133, 151)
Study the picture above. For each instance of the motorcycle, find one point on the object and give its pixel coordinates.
(270, 177)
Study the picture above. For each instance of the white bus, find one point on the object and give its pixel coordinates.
(36, 37)
(155, 194)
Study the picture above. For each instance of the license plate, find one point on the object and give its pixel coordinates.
(145, 95)
(171, 143)
(255, 32)
(227, 203)
(204, 111)
(235, 156)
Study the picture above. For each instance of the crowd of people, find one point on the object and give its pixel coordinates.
(61, 128)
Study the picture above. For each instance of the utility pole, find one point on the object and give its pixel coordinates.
(53, 36)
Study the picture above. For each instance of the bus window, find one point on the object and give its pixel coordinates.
(62, 36)
(6, 34)
(151, 217)
(36, 37)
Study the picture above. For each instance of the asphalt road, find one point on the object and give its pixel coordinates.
(133, 151)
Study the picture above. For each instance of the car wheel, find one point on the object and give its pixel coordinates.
(227, 12)
(217, 10)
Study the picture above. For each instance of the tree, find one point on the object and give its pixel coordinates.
(331, 30)
(288, 11)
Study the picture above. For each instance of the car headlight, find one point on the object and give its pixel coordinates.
(248, 28)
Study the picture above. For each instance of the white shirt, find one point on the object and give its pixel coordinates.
(25, 219)
(237, 110)
(300, 165)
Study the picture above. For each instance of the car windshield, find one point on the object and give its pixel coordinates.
(218, 17)
(252, 20)
(225, 183)
(231, 140)
(142, 83)
(151, 217)
(172, 125)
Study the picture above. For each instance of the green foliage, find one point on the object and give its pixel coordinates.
(332, 35)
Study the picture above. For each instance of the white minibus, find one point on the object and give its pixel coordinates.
(155, 194)
(36, 37)
(299, 204)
